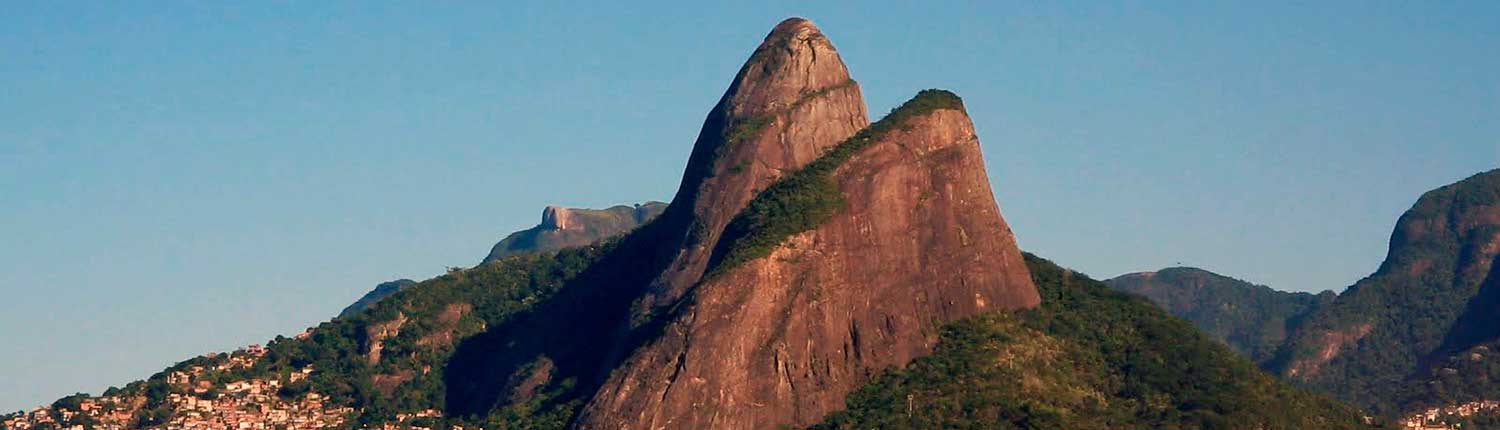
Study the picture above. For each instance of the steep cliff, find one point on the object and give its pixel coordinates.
(908, 236)
(916, 242)
(791, 101)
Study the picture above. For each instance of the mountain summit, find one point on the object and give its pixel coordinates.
(792, 100)
(803, 243)
(787, 324)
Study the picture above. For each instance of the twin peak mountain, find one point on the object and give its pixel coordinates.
(806, 251)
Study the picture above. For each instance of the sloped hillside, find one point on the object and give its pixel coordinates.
(1088, 358)
(1252, 319)
(1387, 328)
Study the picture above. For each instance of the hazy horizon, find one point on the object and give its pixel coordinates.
(185, 178)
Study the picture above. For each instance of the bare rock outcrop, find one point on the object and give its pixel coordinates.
(791, 100)
(664, 332)
(780, 341)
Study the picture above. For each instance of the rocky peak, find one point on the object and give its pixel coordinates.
(794, 61)
(791, 100)
(837, 249)
(778, 339)
(555, 218)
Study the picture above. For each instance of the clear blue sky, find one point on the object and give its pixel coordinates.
(190, 177)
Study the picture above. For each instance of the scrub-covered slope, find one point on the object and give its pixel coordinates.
(1088, 358)
(1252, 319)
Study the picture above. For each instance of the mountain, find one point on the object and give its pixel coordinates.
(1434, 296)
(807, 264)
(560, 228)
(806, 250)
(838, 271)
(568, 227)
(1252, 319)
(1089, 358)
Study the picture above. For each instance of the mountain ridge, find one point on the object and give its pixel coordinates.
(559, 228)
(566, 227)
(1378, 333)
(815, 312)
(1251, 318)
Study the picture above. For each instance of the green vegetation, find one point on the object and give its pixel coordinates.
(1470, 375)
(439, 312)
(1411, 305)
(806, 198)
(1088, 358)
(1252, 319)
(454, 306)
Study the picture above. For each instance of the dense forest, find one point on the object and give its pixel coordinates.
(1089, 358)
(1389, 328)
(1252, 319)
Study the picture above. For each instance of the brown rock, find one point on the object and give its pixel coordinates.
(791, 100)
(646, 342)
(781, 340)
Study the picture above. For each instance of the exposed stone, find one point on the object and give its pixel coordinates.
(648, 343)
(377, 333)
(779, 341)
(555, 218)
(790, 101)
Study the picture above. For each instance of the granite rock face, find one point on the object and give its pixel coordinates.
(644, 340)
(780, 341)
(790, 101)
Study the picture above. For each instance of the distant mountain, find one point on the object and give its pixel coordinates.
(1382, 342)
(560, 228)
(568, 227)
(1252, 319)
